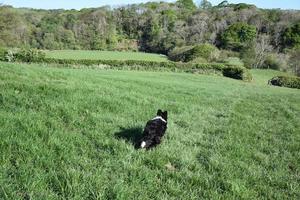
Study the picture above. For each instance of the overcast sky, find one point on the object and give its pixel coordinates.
(79, 4)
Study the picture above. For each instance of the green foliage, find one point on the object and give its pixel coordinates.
(272, 62)
(179, 53)
(205, 4)
(248, 56)
(238, 36)
(70, 134)
(2, 53)
(187, 4)
(294, 61)
(291, 36)
(237, 72)
(236, 61)
(286, 81)
(242, 6)
(207, 52)
(199, 60)
(273, 15)
(30, 55)
(156, 27)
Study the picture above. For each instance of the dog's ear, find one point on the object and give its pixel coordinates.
(165, 115)
(159, 112)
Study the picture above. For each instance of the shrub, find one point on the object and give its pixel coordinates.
(199, 60)
(285, 81)
(271, 62)
(206, 51)
(224, 54)
(30, 55)
(233, 61)
(248, 57)
(10, 56)
(179, 53)
(237, 72)
(2, 53)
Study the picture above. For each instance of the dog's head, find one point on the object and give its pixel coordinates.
(162, 114)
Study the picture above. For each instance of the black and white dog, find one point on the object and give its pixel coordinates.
(154, 130)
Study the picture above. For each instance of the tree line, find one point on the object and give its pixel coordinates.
(239, 30)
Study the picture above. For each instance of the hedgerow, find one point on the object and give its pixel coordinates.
(286, 81)
(236, 72)
(231, 71)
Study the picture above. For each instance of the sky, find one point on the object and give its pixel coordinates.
(79, 4)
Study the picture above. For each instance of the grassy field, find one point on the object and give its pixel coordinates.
(104, 55)
(70, 134)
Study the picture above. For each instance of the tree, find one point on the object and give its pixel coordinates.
(223, 4)
(291, 36)
(187, 4)
(262, 48)
(294, 59)
(238, 36)
(204, 4)
(198, 28)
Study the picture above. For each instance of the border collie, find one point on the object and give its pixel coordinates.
(154, 130)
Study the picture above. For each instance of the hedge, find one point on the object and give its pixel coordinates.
(231, 71)
(285, 81)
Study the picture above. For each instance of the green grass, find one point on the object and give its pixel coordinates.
(104, 55)
(262, 76)
(69, 134)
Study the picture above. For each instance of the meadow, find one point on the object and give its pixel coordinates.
(70, 134)
(104, 55)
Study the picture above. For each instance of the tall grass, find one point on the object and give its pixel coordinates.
(69, 134)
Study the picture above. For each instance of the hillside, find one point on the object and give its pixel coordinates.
(182, 30)
(69, 133)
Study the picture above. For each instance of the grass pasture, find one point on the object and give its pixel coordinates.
(104, 55)
(69, 134)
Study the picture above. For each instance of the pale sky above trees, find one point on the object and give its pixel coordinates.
(68, 4)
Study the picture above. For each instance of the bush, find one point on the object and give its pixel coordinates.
(2, 53)
(10, 56)
(233, 61)
(224, 54)
(271, 62)
(179, 53)
(248, 57)
(30, 55)
(236, 72)
(285, 81)
(199, 60)
(207, 52)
